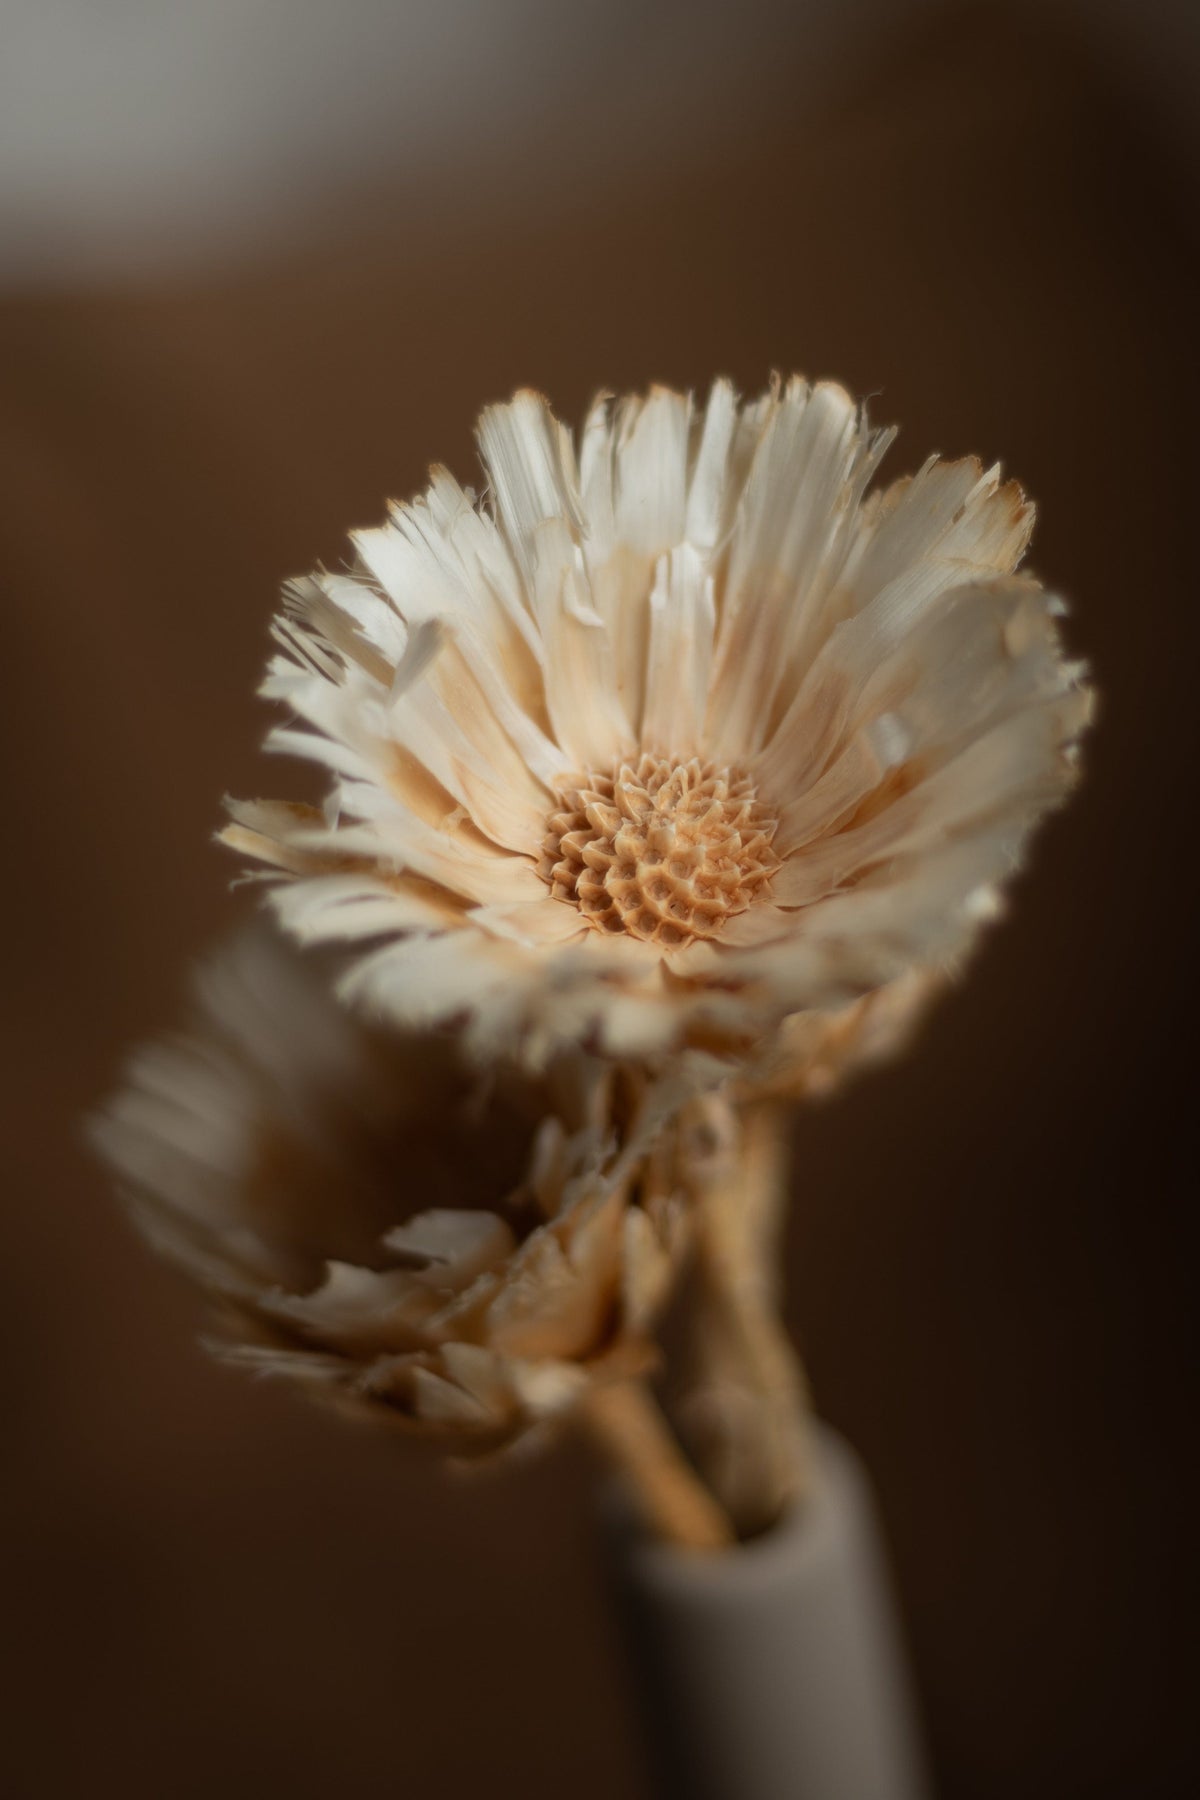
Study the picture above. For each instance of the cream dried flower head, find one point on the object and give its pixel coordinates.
(677, 734)
(380, 1226)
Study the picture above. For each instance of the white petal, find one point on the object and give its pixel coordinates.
(424, 981)
(582, 698)
(1017, 764)
(948, 524)
(634, 464)
(389, 834)
(349, 907)
(530, 462)
(794, 527)
(988, 645)
(343, 614)
(709, 506)
(455, 1246)
(651, 484)
(540, 922)
(439, 558)
(682, 623)
(357, 1311)
(510, 810)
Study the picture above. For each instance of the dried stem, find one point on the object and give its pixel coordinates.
(628, 1426)
(747, 1413)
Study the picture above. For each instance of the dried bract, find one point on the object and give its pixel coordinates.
(378, 1222)
(678, 733)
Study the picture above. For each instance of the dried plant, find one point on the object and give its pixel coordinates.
(675, 736)
(668, 784)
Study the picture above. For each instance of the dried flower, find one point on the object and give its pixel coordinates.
(375, 1222)
(673, 737)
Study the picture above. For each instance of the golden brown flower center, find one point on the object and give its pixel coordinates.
(663, 849)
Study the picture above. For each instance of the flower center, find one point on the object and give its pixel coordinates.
(662, 849)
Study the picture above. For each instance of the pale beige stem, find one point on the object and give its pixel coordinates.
(626, 1423)
(749, 1410)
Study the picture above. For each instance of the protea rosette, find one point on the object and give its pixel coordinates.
(677, 735)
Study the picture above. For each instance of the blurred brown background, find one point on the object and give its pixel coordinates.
(986, 220)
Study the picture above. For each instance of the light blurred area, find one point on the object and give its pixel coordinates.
(151, 137)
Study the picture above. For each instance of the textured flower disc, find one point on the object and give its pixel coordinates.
(665, 851)
(681, 732)
(375, 1223)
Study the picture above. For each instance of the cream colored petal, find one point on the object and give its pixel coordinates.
(794, 526)
(329, 753)
(978, 654)
(228, 1262)
(582, 699)
(635, 475)
(620, 587)
(440, 558)
(679, 662)
(356, 1311)
(857, 772)
(480, 692)
(533, 924)
(453, 1246)
(948, 524)
(951, 526)
(597, 478)
(912, 665)
(424, 981)
(502, 747)
(388, 833)
(1019, 764)
(557, 1297)
(605, 992)
(346, 616)
(531, 466)
(926, 910)
(981, 653)
(461, 576)
(168, 1136)
(761, 923)
(710, 498)
(333, 703)
(650, 488)
(408, 741)
(349, 713)
(506, 804)
(265, 829)
(348, 908)
(535, 484)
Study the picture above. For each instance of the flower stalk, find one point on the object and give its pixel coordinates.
(745, 1413)
(626, 1424)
